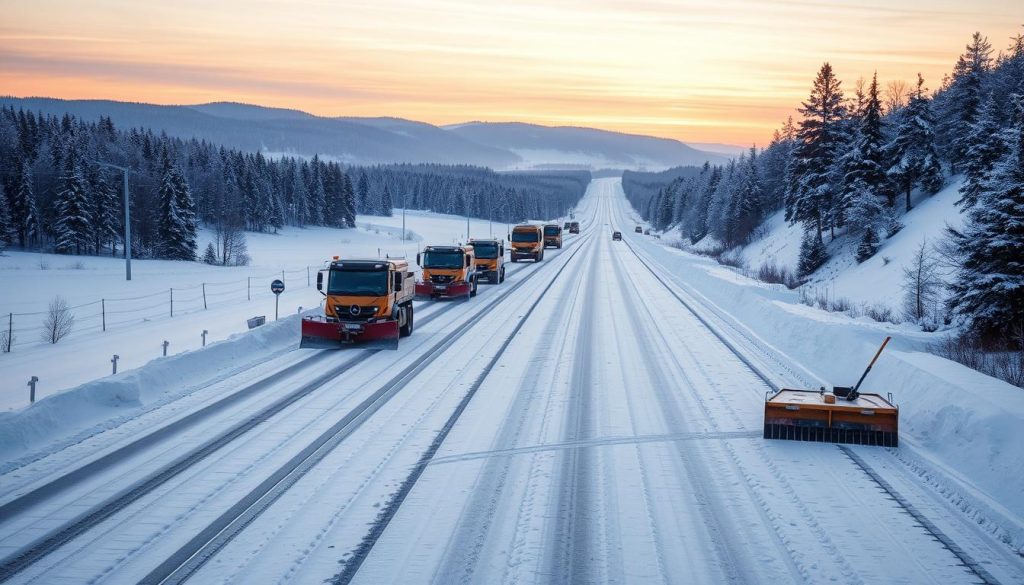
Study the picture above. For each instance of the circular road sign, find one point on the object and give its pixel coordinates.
(277, 287)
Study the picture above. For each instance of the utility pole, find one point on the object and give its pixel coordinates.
(127, 221)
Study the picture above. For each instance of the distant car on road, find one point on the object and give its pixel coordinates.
(616, 236)
(638, 230)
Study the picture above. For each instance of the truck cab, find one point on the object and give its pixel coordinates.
(490, 259)
(364, 301)
(527, 242)
(448, 271)
(574, 227)
(552, 236)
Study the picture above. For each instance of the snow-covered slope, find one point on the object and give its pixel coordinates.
(878, 279)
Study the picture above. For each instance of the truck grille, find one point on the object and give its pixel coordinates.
(345, 313)
(441, 278)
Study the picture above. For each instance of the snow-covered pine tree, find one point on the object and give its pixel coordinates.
(984, 147)
(812, 252)
(912, 151)
(23, 206)
(6, 227)
(187, 214)
(105, 209)
(865, 164)
(868, 245)
(176, 224)
(210, 255)
(317, 193)
(300, 196)
(962, 101)
(989, 287)
(72, 226)
(386, 204)
(363, 194)
(348, 200)
(818, 140)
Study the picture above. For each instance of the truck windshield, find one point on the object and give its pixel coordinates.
(485, 249)
(530, 236)
(358, 283)
(442, 259)
(551, 230)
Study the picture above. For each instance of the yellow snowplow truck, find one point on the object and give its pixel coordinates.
(448, 271)
(527, 242)
(552, 236)
(490, 259)
(368, 302)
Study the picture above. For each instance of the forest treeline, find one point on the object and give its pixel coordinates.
(851, 163)
(58, 196)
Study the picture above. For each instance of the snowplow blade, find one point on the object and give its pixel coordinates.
(429, 290)
(318, 333)
(811, 415)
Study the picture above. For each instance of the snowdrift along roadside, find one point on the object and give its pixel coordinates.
(106, 402)
(969, 424)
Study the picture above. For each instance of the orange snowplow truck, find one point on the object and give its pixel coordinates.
(552, 236)
(527, 242)
(448, 271)
(490, 259)
(366, 301)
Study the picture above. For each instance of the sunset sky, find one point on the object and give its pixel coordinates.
(721, 71)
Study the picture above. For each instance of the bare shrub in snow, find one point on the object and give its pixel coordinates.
(773, 273)
(59, 320)
(1003, 359)
(882, 313)
(731, 258)
(44, 264)
(79, 265)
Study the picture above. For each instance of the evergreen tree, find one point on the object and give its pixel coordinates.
(812, 252)
(868, 245)
(386, 204)
(363, 194)
(176, 224)
(6, 227)
(348, 201)
(964, 96)
(912, 152)
(23, 206)
(865, 163)
(989, 288)
(984, 147)
(818, 141)
(105, 210)
(210, 255)
(72, 227)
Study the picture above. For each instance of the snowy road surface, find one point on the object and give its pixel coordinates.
(578, 424)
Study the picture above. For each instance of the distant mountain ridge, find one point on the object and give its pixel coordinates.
(381, 140)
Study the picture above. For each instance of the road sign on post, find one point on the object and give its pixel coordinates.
(277, 287)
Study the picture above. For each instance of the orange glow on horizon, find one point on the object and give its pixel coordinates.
(726, 72)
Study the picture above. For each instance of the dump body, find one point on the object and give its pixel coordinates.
(813, 415)
(527, 242)
(448, 272)
(552, 236)
(365, 301)
(490, 259)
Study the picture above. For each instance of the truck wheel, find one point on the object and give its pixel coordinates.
(406, 330)
(501, 278)
(494, 277)
(472, 289)
(514, 259)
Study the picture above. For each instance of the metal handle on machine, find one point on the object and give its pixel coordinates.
(854, 393)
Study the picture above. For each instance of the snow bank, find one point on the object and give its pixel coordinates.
(106, 402)
(965, 421)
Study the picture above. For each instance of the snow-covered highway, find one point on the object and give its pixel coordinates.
(589, 421)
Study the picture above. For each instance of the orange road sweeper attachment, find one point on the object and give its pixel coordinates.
(844, 415)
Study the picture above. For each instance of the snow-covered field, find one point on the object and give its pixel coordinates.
(138, 313)
(577, 424)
